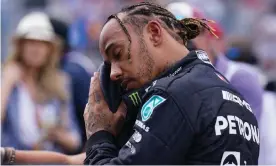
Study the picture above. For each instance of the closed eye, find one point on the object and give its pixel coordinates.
(117, 55)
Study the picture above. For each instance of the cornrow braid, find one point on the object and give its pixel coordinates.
(141, 13)
(124, 29)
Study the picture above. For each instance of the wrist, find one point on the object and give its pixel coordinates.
(99, 137)
(2, 155)
(9, 156)
(91, 133)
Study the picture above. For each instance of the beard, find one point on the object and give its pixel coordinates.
(145, 71)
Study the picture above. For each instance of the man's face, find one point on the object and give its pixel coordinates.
(114, 46)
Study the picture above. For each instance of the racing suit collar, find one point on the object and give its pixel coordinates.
(192, 58)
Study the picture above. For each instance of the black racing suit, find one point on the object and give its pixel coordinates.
(188, 115)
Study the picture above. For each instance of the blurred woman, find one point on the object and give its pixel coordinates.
(35, 105)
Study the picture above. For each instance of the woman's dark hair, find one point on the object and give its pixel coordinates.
(61, 30)
(140, 14)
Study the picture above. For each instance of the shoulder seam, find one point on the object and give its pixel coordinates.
(180, 75)
(184, 115)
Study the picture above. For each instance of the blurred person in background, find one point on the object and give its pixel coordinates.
(36, 109)
(94, 26)
(85, 28)
(265, 45)
(240, 75)
(80, 69)
(241, 51)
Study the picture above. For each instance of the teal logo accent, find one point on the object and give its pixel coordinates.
(149, 106)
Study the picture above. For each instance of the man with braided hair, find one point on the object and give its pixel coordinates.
(188, 112)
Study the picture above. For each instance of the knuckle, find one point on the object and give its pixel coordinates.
(85, 114)
(92, 80)
(120, 116)
(97, 109)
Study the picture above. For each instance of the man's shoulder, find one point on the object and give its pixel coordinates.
(196, 79)
(198, 93)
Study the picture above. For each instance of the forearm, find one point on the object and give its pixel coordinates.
(40, 157)
(67, 141)
(77, 159)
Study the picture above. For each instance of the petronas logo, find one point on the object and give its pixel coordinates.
(135, 98)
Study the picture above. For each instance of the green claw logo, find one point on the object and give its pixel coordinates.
(135, 98)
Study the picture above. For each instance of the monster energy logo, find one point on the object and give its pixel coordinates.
(135, 98)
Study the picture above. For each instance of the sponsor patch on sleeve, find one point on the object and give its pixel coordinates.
(150, 105)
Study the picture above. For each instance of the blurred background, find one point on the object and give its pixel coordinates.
(252, 21)
(248, 28)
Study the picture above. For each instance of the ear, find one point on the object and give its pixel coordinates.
(155, 32)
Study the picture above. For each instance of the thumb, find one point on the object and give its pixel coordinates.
(122, 111)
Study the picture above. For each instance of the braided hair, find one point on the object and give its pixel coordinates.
(140, 14)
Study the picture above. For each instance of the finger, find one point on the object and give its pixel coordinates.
(86, 112)
(95, 81)
(91, 86)
(86, 109)
(94, 84)
(95, 92)
(122, 111)
(96, 74)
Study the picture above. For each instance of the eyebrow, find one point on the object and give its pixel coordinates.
(112, 44)
(108, 48)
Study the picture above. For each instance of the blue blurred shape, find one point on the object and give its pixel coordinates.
(233, 53)
(78, 37)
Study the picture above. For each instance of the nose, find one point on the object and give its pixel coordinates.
(116, 72)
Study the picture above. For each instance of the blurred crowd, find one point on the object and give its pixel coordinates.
(45, 73)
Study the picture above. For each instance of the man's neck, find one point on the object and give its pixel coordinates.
(172, 56)
(176, 55)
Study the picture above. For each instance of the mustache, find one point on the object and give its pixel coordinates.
(124, 81)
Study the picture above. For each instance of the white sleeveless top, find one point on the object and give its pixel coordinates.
(30, 132)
